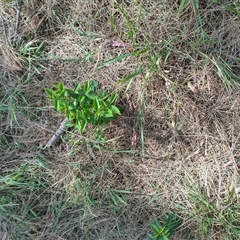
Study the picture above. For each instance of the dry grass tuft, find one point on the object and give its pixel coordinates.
(175, 149)
(11, 60)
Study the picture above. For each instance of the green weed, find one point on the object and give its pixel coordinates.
(116, 199)
(164, 230)
(202, 42)
(84, 104)
(14, 102)
(16, 185)
(70, 195)
(131, 32)
(224, 215)
(225, 73)
(32, 52)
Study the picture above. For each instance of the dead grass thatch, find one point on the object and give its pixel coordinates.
(174, 149)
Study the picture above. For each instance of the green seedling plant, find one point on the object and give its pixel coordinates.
(85, 104)
(32, 52)
(164, 230)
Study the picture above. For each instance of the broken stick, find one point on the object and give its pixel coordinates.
(57, 134)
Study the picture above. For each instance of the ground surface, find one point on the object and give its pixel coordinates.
(174, 150)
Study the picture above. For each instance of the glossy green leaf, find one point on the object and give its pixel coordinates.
(112, 98)
(86, 87)
(94, 86)
(107, 114)
(103, 103)
(164, 238)
(90, 96)
(60, 86)
(77, 87)
(150, 237)
(115, 110)
(50, 92)
(81, 99)
(72, 93)
(56, 104)
(157, 223)
(155, 228)
(62, 94)
(83, 127)
(69, 124)
(96, 105)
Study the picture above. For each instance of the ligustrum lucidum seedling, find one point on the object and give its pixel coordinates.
(85, 104)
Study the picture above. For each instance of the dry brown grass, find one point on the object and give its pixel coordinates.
(184, 138)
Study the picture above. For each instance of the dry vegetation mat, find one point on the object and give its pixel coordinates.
(167, 167)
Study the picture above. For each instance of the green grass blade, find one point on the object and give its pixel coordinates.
(116, 59)
(122, 191)
(183, 5)
(195, 5)
(79, 32)
(130, 78)
(120, 199)
(131, 31)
